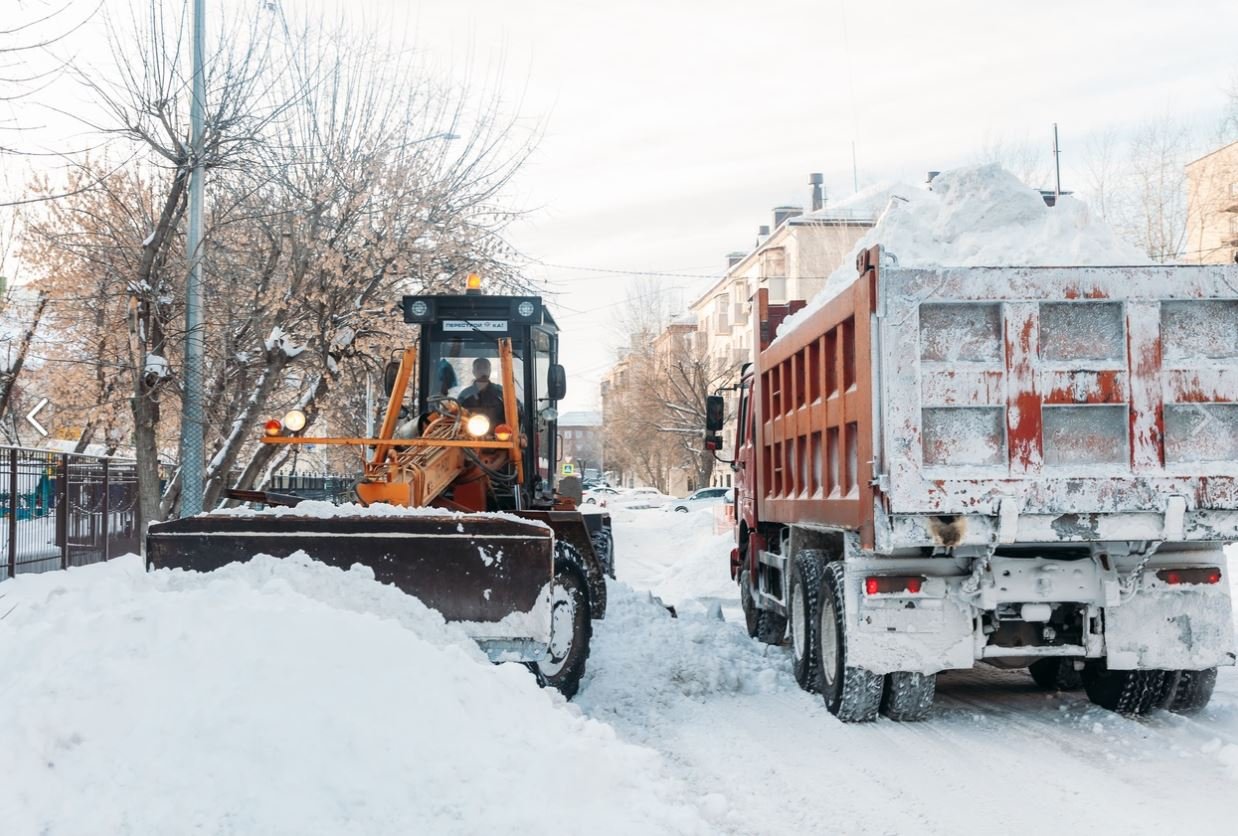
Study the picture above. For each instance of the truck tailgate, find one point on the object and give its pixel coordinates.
(1064, 394)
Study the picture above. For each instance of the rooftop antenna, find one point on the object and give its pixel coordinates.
(1057, 166)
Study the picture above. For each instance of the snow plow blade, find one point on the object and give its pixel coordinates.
(491, 574)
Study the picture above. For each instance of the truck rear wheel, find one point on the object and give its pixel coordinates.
(1056, 674)
(1186, 692)
(763, 625)
(803, 616)
(1126, 692)
(571, 631)
(851, 694)
(908, 695)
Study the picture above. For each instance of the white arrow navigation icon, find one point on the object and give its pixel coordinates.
(30, 416)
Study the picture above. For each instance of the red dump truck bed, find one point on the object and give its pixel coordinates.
(952, 406)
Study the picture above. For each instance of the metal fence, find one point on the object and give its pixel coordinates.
(63, 509)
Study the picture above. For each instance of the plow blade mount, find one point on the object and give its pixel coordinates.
(490, 574)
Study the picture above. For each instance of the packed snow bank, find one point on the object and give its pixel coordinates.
(649, 659)
(697, 573)
(284, 696)
(980, 216)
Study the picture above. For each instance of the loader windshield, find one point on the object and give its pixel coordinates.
(469, 367)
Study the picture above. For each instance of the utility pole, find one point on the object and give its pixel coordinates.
(1057, 166)
(192, 453)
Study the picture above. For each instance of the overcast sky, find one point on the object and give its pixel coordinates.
(672, 127)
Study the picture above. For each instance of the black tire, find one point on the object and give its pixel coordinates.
(604, 548)
(562, 671)
(908, 696)
(1056, 674)
(763, 625)
(1126, 692)
(747, 604)
(681, 510)
(851, 694)
(803, 613)
(1186, 692)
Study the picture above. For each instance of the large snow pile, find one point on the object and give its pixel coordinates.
(980, 216)
(651, 658)
(696, 576)
(290, 697)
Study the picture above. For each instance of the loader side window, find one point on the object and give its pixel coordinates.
(545, 428)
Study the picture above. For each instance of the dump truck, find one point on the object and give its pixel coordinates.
(1022, 466)
(483, 537)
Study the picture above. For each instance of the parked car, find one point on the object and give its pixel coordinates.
(702, 499)
(592, 495)
(636, 499)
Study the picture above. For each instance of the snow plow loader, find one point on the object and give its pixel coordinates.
(457, 496)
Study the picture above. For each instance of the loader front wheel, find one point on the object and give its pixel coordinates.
(571, 631)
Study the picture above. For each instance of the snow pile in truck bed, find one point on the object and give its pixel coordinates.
(981, 216)
(285, 696)
(323, 510)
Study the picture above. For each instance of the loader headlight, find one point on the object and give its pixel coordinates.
(477, 425)
(294, 421)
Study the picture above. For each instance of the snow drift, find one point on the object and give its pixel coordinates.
(980, 216)
(284, 696)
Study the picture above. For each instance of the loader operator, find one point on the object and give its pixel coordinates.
(483, 396)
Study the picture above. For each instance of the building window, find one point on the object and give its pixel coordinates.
(1233, 189)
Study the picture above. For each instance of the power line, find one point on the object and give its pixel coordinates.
(614, 272)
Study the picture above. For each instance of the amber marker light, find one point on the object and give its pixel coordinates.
(503, 433)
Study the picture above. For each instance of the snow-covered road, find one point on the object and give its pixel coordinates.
(288, 697)
(998, 755)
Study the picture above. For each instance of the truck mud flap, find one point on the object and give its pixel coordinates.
(493, 574)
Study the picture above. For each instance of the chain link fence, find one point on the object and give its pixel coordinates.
(64, 509)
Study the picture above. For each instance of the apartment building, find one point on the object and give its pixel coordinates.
(791, 259)
(1212, 207)
(580, 434)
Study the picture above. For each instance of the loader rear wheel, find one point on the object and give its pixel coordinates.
(1056, 674)
(571, 631)
(803, 616)
(1126, 692)
(851, 694)
(1186, 692)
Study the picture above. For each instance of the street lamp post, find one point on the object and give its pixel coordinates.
(192, 454)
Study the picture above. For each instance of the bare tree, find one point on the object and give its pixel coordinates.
(1159, 150)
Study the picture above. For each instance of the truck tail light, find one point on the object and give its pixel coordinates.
(1179, 577)
(893, 584)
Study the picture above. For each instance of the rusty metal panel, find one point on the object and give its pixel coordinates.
(1113, 400)
(816, 433)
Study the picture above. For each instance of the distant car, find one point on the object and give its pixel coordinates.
(636, 499)
(702, 499)
(592, 495)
